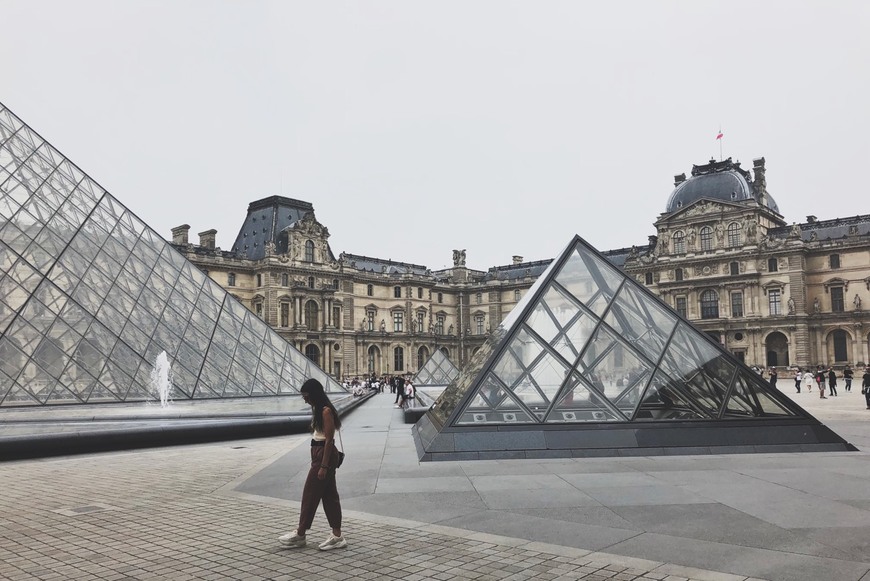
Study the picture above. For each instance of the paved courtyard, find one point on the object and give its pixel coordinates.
(214, 512)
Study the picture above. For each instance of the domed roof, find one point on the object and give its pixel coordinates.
(722, 180)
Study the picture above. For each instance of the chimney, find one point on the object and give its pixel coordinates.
(679, 179)
(179, 234)
(206, 239)
(811, 219)
(517, 259)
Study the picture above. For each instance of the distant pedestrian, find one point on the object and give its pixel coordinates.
(847, 376)
(809, 380)
(832, 381)
(773, 376)
(820, 380)
(865, 386)
(320, 484)
(400, 389)
(797, 380)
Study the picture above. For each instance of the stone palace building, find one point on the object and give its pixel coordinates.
(723, 256)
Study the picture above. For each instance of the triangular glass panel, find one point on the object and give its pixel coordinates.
(590, 279)
(664, 400)
(750, 399)
(611, 365)
(578, 403)
(641, 321)
(494, 404)
(18, 396)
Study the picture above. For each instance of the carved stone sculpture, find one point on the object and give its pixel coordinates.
(790, 306)
(857, 303)
(817, 306)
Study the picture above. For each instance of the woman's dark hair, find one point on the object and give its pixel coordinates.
(319, 400)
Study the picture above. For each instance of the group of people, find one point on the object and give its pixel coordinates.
(399, 385)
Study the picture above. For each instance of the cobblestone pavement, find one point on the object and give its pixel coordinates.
(172, 514)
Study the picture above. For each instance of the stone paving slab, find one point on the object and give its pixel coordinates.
(174, 514)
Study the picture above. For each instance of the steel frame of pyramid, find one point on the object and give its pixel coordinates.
(591, 363)
(438, 370)
(90, 296)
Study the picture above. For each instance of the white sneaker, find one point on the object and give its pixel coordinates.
(333, 542)
(292, 540)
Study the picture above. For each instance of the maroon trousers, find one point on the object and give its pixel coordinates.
(317, 490)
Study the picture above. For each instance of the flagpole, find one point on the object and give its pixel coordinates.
(721, 138)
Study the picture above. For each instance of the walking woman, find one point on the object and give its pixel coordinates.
(320, 484)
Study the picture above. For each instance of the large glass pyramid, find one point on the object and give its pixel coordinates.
(90, 296)
(438, 370)
(600, 363)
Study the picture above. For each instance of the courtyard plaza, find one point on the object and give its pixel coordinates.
(214, 511)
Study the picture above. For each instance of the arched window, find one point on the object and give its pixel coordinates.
(309, 251)
(733, 234)
(679, 242)
(772, 265)
(706, 238)
(734, 268)
(517, 295)
(231, 279)
(678, 274)
(311, 315)
(422, 357)
(709, 304)
(398, 359)
(313, 353)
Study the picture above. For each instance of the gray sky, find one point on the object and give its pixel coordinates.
(415, 128)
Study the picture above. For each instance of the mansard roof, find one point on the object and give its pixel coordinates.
(379, 265)
(265, 220)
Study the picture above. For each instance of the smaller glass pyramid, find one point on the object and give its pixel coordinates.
(590, 345)
(438, 370)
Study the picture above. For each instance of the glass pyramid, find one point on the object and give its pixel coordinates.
(438, 370)
(90, 296)
(589, 345)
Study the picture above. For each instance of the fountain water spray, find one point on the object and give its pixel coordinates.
(161, 379)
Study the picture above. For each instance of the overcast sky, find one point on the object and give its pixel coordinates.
(415, 128)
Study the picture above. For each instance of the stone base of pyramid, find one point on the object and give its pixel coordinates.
(435, 443)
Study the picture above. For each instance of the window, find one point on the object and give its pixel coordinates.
(835, 261)
(231, 279)
(285, 314)
(309, 251)
(370, 320)
(258, 309)
(838, 305)
(678, 275)
(478, 323)
(772, 265)
(439, 325)
(335, 284)
(440, 298)
(259, 280)
(285, 279)
(398, 321)
(421, 316)
(679, 242)
(709, 304)
(419, 292)
(680, 306)
(478, 298)
(517, 295)
(336, 317)
(370, 290)
(737, 304)
(734, 268)
(733, 234)
(398, 359)
(310, 282)
(313, 353)
(774, 301)
(648, 278)
(706, 238)
(840, 351)
(397, 292)
(311, 315)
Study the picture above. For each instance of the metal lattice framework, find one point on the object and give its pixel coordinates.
(90, 296)
(438, 370)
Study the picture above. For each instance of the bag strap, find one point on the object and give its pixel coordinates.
(340, 440)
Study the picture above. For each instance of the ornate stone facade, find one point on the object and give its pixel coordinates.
(723, 256)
